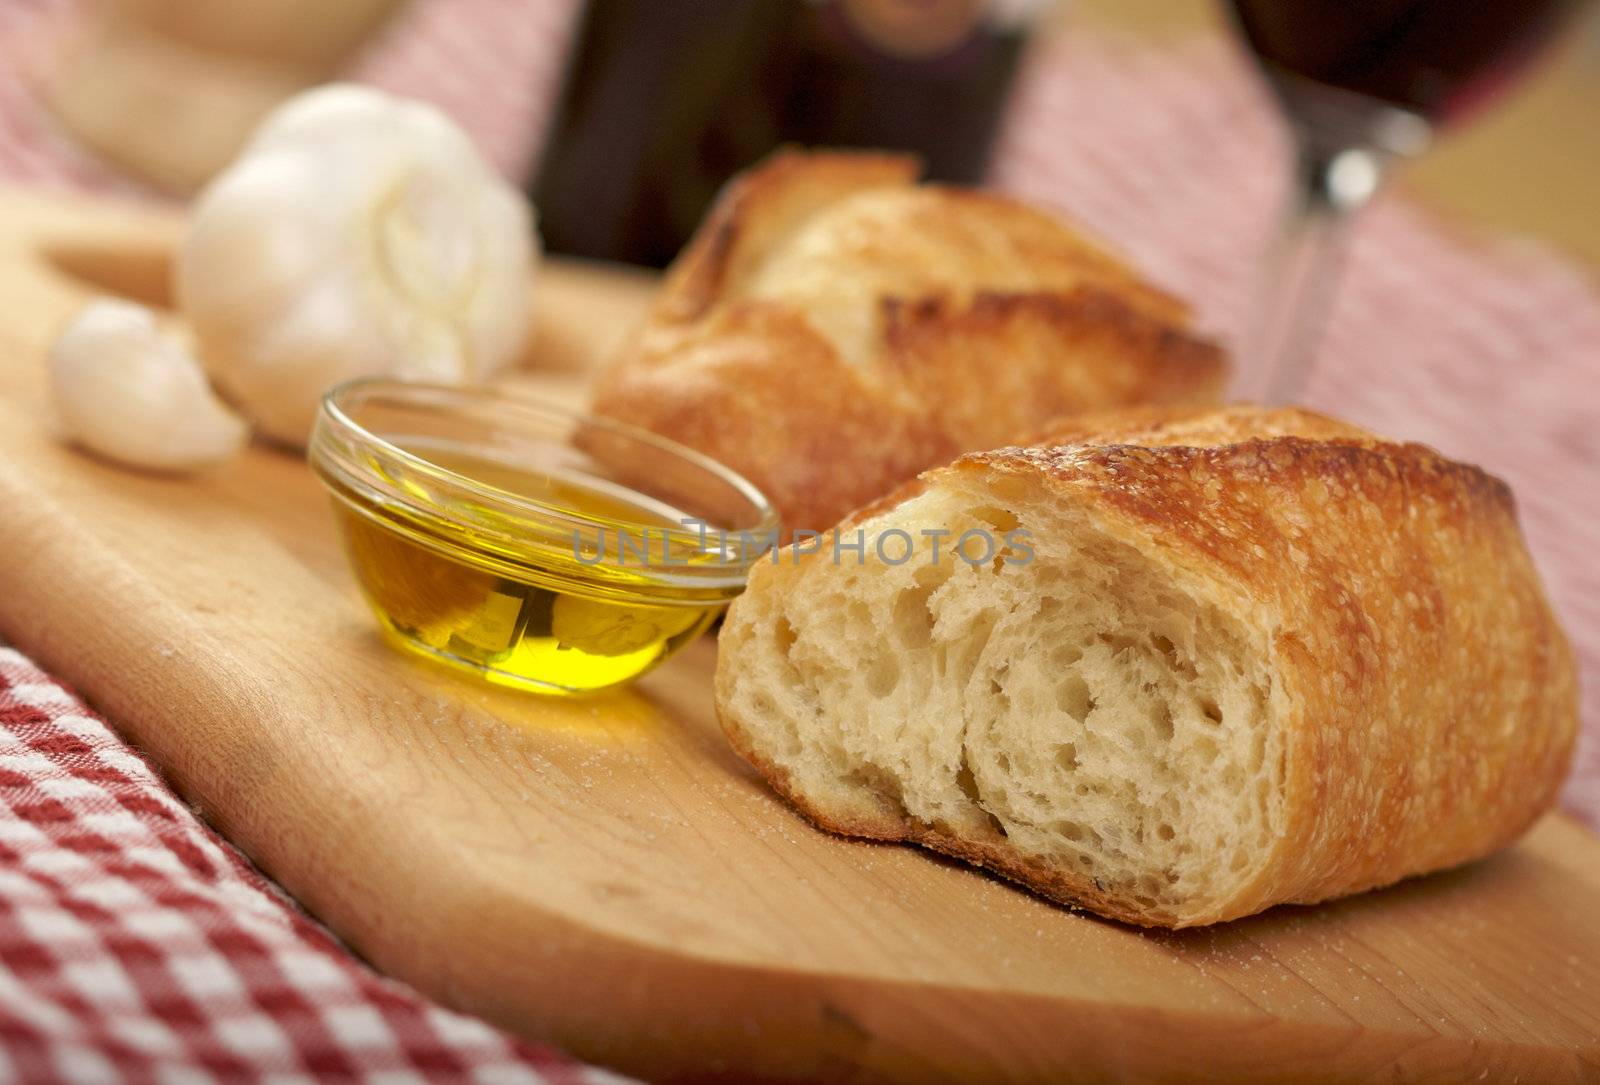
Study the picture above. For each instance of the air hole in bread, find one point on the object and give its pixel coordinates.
(969, 788)
(1067, 756)
(1164, 646)
(1072, 695)
(1165, 728)
(783, 633)
(911, 619)
(883, 674)
(999, 520)
(1064, 655)
(882, 785)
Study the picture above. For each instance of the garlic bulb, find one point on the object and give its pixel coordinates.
(135, 395)
(357, 234)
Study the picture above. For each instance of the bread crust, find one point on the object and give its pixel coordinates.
(833, 328)
(1426, 696)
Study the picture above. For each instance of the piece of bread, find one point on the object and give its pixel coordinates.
(833, 328)
(1257, 656)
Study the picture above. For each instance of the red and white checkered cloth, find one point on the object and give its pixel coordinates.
(135, 943)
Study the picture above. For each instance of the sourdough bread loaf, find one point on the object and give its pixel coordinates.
(833, 328)
(1234, 658)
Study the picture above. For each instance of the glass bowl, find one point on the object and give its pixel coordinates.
(532, 545)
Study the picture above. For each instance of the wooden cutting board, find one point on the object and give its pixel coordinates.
(605, 875)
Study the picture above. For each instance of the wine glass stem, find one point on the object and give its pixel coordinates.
(1298, 276)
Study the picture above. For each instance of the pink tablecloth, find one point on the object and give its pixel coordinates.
(134, 942)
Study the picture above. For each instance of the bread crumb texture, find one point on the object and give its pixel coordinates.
(1256, 657)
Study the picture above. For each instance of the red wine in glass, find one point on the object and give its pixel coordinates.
(1359, 82)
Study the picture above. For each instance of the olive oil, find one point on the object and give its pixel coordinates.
(475, 587)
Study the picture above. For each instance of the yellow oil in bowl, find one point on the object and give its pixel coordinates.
(548, 626)
(536, 548)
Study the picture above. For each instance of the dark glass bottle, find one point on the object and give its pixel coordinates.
(666, 99)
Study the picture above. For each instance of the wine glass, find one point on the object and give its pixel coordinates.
(1361, 83)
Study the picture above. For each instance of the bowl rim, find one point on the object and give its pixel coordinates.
(337, 431)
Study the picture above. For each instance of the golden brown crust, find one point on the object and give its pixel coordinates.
(763, 418)
(1425, 694)
(1195, 426)
(834, 328)
(946, 355)
(757, 210)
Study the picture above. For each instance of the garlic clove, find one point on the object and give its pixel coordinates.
(358, 234)
(134, 395)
